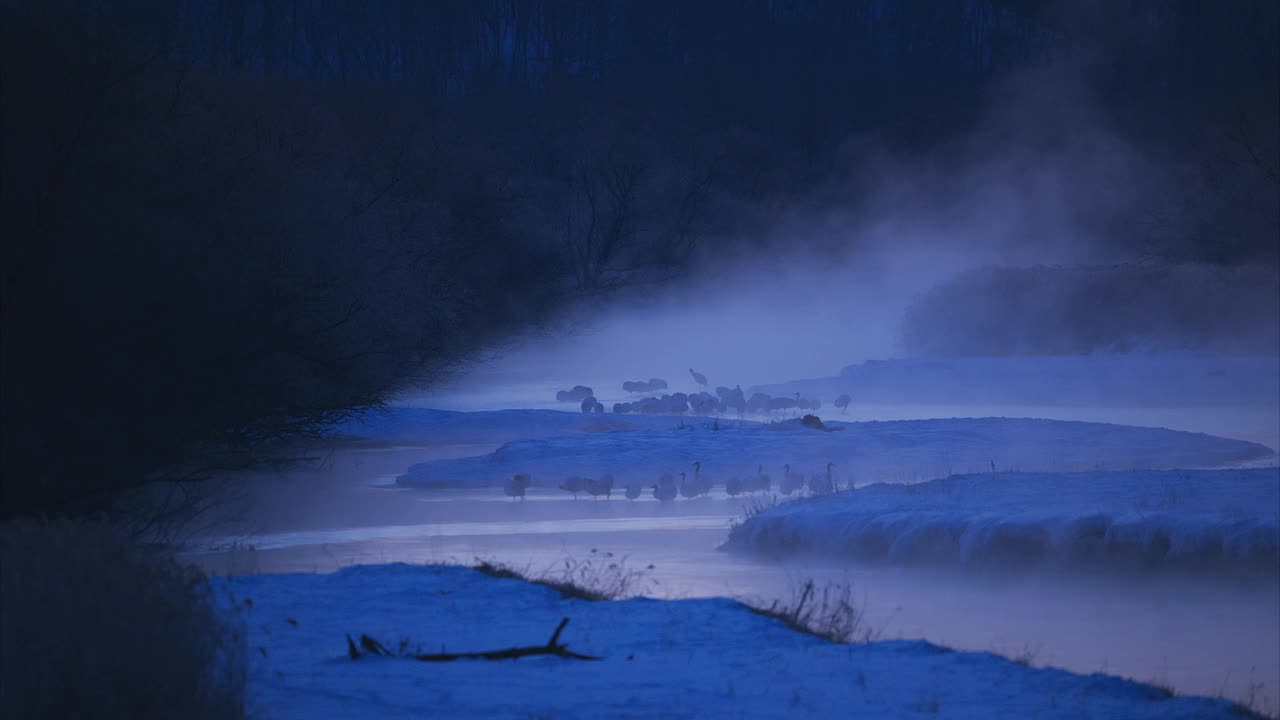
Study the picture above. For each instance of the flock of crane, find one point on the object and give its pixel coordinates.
(668, 488)
(724, 401)
(686, 485)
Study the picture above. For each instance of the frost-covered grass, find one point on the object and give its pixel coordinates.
(596, 578)
(755, 505)
(866, 451)
(829, 611)
(1184, 520)
(708, 658)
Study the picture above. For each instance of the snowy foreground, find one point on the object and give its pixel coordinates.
(708, 658)
(635, 449)
(1175, 519)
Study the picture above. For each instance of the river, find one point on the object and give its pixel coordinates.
(1202, 636)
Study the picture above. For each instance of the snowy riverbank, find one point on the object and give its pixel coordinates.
(898, 451)
(706, 658)
(1206, 520)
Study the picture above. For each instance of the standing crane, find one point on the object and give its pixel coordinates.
(843, 401)
(698, 377)
(791, 482)
(823, 485)
(665, 490)
(761, 482)
(514, 487)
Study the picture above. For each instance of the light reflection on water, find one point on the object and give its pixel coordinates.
(474, 529)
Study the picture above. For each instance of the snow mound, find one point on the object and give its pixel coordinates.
(1181, 520)
(710, 658)
(904, 450)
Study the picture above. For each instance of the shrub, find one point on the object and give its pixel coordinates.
(94, 626)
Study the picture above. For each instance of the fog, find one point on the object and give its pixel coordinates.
(887, 260)
(973, 309)
(744, 322)
(1046, 180)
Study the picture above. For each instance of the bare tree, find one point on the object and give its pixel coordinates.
(626, 221)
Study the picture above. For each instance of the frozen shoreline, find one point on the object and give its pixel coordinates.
(677, 658)
(1179, 520)
(897, 451)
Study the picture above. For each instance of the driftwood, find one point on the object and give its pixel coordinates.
(369, 646)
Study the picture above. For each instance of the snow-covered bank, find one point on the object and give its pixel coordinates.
(1206, 520)
(1101, 380)
(907, 450)
(675, 659)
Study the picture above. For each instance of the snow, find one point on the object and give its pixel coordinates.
(708, 658)
(713, 657)
(641, 448)
(1173, 519)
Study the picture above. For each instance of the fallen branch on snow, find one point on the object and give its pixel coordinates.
(369, 646)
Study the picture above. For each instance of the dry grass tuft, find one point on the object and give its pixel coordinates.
(829, 612)
(597, 578)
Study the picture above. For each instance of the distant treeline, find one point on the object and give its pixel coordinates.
(680, 119)
(816, 69)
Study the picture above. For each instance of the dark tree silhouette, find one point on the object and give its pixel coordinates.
(230, 225)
